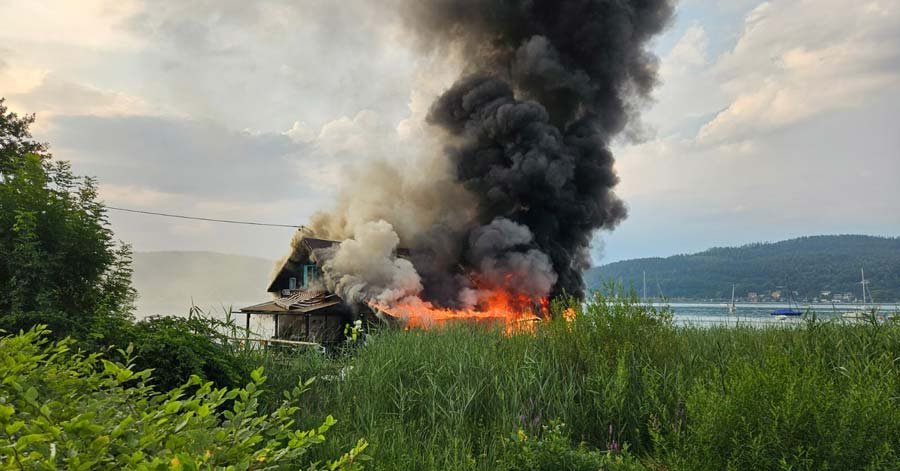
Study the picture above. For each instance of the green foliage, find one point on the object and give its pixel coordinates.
(822, 398)
(59, 266)
(553, 450)
(807, 265)
(57, 254)
(16, 140)
(64, 410)
(177, 348)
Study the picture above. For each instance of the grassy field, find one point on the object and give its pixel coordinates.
(619, 387)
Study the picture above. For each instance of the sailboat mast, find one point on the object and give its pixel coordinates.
(732, 308)
(645, 286)
(862, 272)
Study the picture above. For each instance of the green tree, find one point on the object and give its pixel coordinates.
(16, 140)
(59, 262)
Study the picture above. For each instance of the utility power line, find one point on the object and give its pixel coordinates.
(195, 218)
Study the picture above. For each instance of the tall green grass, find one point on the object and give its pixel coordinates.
(823, 396)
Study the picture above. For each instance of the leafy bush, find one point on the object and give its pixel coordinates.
(60, 409)
(177, 348)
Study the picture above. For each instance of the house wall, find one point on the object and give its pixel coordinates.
(292, 327)
(261, 325)
(326, 327)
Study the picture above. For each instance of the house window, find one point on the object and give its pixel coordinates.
(310, 275)
(292, 283)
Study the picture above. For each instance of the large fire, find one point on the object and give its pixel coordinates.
(513, 311)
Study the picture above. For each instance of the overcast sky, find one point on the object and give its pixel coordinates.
(773, 119)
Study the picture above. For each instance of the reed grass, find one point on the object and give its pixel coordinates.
(822, 396)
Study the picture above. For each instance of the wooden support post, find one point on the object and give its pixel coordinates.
(247, 333)
(276, 326)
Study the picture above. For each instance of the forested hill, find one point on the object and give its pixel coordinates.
(808, 265)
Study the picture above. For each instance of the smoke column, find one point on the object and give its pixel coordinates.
(525, 133)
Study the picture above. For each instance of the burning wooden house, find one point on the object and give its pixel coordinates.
(302, 307)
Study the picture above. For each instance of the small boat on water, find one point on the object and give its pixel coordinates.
(784, 313)
(732, 308)
(787, 312)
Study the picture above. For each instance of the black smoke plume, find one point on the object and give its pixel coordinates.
(548, 84)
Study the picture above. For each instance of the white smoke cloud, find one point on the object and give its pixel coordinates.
(366, 267)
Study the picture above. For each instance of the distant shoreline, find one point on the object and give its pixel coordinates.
(689, 302)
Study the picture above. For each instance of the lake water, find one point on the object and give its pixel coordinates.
(708, 314)
(695, 314)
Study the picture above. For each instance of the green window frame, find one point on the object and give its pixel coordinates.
(310, 275)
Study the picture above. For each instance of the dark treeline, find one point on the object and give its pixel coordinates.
(807, 265)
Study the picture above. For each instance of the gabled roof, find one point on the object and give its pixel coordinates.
(314, 243)
(310, 244)
(307, 243)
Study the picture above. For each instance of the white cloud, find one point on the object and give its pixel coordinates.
(837, 174)
(787, 133)
(798, 59)
(265, 64)
(689, 53)
(300, 131)
(342, 73)
(180, 156)
(94, 24)
(48, 95)
(16, 78)
(134, 196)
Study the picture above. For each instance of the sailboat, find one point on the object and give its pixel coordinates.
(789, 311)
(732, 308)
(863, 311)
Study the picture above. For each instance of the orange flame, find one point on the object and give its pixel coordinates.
(513, 311)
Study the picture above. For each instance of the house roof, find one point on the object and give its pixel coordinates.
(310, 244)
(314, 243)
(307, 243)
(277, 306)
